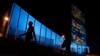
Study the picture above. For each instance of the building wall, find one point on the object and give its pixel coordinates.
(19, 20)
(78, 31)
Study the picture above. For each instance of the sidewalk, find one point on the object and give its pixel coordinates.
(11, 47)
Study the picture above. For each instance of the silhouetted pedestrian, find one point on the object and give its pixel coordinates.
(29, 35)
(66, 44)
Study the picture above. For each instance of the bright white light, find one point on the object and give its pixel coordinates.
(63, 36)
(6, 19)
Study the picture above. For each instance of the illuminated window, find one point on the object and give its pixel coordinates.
(78, 32)
(22, 22)
(74, 36)
(73, 23)
(37, 29)
(14, 19)
(43, 32)
(57, 40)
(53, 37)
(48, 36)
(78, 26)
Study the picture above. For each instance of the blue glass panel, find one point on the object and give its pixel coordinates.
(57, 40)
(14, 19)
(53, 38)
(37, 30)
(22, 22)
(48, 36)
(43, 30)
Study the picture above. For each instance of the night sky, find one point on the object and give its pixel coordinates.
(56, 15)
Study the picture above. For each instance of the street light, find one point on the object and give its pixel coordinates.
(5, 21)
(6, 18)
(63, 35)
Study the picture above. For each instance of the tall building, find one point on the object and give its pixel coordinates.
(78, 31)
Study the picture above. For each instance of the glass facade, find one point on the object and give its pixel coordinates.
(14, 19)
(19, 24)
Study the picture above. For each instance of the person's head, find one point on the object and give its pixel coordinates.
(30, 23)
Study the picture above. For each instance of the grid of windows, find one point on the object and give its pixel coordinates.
(78, 44)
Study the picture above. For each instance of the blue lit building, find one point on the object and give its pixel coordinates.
(18, 24)
(78, 32)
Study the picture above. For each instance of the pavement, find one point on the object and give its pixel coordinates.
(12, 47)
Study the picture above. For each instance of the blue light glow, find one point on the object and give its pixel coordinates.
(48, 36)
(22, 23)
(14, 19)
(78, 49)
(19, 25)
(53, 38)
(42, 38)
(37, 29)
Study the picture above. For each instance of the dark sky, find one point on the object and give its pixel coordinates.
(56, 15)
